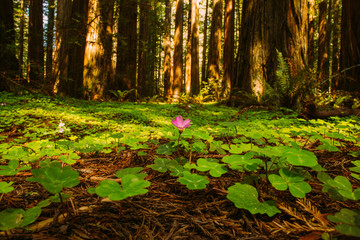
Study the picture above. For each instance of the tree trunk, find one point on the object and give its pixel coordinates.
(214, 60)
(76, 50)
(178, 51)
(188, 53)
(8, 63)
(228, 59)
(311, 33)
(35, 46)
(98, 51)
(204, 47)
(143, 78)
(49, 42)
(126, 47)
(323, 50)
(167, 51)
(263, 31)
(195, 74)
(61, 58)
(21, 36)
(350, 46)
(335, 67)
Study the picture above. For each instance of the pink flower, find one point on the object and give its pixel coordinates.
(180, 123)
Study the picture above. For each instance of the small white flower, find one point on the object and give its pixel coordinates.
(61, 125)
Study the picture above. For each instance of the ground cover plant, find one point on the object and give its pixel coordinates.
(77, 169)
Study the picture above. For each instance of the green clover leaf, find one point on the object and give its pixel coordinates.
(6, 187)
(54, 178)
(216, 169)
(245, 196)
(193, 181)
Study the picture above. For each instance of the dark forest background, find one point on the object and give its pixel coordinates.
(278, 51)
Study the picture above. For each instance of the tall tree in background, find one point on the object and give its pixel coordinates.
(98, 51)
(311, 35)
(61, 58)
(228, 60)
(143, 77)
(324, 38)
(195, 71)
(36, 46)
(178, 51)
(8, 63)
(262, 33)
(167, 51)
(335, 66)
(214, 59)
(188, 52)
(204, 46)
(76, 50)
(23, 6)
(50, 41)
(126, 47)
(350, 46)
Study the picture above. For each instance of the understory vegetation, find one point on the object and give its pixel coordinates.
(105, 170)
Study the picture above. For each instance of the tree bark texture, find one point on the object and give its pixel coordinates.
(143, 78)
(323, 50)
(228, 59)
(35, 45)
(268, 26)
(214, 59)
(350, 46)
(49, 42)
(188, 52)
(335, 67)
(204, 46)
(167, 51)
(195, 71)
(9, 68)
(178, 51)
(98, 51)
(126, 47)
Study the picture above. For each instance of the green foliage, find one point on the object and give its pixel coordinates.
(193, 181)
(6, 187)
(290, 88)
(245, 196)
(120, 95)
(12, 168)
(348, 222)
(17, 218)
(54, 177)
(289, 179)
(132, 184)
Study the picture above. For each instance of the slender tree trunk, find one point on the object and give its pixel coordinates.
(126, 47)
(21, 36)
(61, 58)
(50, 41)
(143, 80)
(228, 60)
(195, 72)
(188, 53)
(8, 63)
(167, 51)
(335, 67)
(35, 46)
(178, 51)
(323, 57)
(311, 33)
(204, 47)
(350, 46)
(214, 60)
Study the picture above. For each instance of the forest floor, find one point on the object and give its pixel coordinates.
(169, 210)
